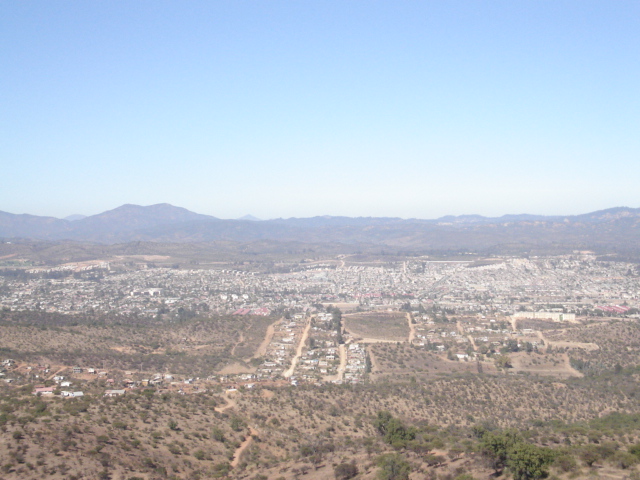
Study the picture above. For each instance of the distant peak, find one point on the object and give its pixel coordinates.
(250, 218)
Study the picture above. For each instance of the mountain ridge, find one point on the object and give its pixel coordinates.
(615, 227)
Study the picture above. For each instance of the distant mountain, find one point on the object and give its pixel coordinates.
(250, 218)
(615, 228)
(32, 226)
(119, 224)
(75, 217)
(131, 217)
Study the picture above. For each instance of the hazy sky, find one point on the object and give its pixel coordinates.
(303, 108)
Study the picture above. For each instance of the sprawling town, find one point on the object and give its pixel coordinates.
(575, 284)
(310, 341)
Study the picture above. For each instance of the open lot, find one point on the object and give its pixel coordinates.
(378, 327)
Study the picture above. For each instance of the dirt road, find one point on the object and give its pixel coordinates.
(262, 349)
(568, 344)
(341, 369)
(412, 328)
(294, 360)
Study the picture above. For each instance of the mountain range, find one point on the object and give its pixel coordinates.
(615, 228)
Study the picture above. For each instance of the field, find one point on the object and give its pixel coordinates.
(198, 346)
(376, 327)
(398, 361)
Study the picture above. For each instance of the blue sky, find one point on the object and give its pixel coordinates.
(303, 108)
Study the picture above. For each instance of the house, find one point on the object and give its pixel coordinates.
(44, 390)
(114, 393)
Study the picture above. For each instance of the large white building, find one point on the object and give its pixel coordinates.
(555, 316)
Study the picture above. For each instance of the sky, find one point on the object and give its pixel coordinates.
(303, 108)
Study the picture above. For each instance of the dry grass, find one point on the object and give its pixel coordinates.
(195, 347)
(391, 326)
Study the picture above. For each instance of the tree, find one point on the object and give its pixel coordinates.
(589, 454)
(496, 446)
(394, 431)
(503, 361)
(624, 460)
(392, 467)
(528, 462)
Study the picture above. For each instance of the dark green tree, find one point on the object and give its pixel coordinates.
(496, 446)
(528, 462)
(392, 467)
(394, 431)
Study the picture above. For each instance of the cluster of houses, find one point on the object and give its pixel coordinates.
(357, 363)
(282, 347)
(5, 367)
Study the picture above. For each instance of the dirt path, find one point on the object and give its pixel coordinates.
(262, 349)
(231, 403)
(514, 323)
(294, 360)
(343, 359)
(569, 367)
(233, 350)
(412, 328)
(376, 340)
(459, 328)
(243, 446)
(60, 370)
(473, 342)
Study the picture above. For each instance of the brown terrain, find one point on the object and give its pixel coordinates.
(579, 388)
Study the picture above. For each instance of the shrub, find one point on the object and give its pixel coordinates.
(345, 471)
(565, 463)
(199, 454)
(217, 434)
(624, 460)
